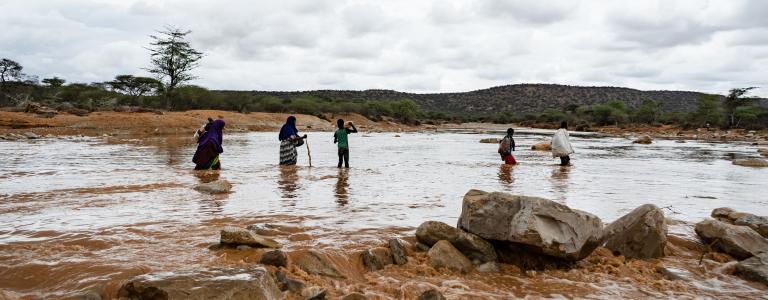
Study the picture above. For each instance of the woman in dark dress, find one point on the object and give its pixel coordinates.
(209, 147)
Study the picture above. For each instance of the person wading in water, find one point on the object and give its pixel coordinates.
(341, 139)
(209, 147)
(506, 146)
(289, 140)
(561, 146)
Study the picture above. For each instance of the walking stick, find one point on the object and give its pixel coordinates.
(306, 142)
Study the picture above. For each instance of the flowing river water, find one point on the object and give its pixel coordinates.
(89, 213)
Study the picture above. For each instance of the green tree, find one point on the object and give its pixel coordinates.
(734, 100)
(648, 112)
(173, 60)
(10, 70)
(708, 111)
(54, 82)
(405, 110)
(134, 86)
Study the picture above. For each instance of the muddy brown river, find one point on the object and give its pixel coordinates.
(88, 213)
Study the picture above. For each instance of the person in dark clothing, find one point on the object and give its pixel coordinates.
(209, 147)
(340, 138)
(507, 146)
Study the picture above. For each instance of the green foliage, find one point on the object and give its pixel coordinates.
(173, 59)
(647, 113)
(10, 70)
(405, 110)
(54, 82)
(734, 101)
(708, 111)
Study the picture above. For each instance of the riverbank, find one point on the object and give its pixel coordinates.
(164, 123)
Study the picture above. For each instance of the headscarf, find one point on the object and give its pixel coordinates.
(288, 129)
(213, 134)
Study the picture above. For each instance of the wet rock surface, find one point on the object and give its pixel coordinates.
(490, 140)
(398, 251)
(431, 294)
(214, 187)
(543, 225)
(740, 242)
(644, 140)
(471, 245)
(751, 162)
(444, 255)
(230, 284)
(757, 223)
(542, 146)
(354, 296)
(288, 284)
(234, 236)
(671, 273)
(276, 258)
(377, 258)
(754, 268)
(313, 293)
(642, 233)
(315, 263)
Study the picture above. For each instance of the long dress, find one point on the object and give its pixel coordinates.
(288, 151)
(209, 147)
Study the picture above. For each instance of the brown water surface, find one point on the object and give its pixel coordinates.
(89, 213)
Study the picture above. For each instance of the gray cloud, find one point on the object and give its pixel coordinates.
(419, 46)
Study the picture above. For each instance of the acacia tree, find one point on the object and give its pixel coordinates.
(54, 82)
(135, 86)
(9, 70)
(734, 100)
(173, 59)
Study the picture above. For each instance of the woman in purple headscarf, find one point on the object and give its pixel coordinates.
(209, 147)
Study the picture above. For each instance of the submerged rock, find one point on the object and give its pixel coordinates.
(675, 273)
(757, 223)
(490, 140)
(313, 293)
(751, 162)
(738, 241)
(315, 263)
(471, 245)
(754, 268)
(542, 225)
(214, 187)
(642, 233)
(489, 267)
(431, 294)
(234, 236)
(276, 258)
(542, 146)
(645, 140)
(230, 284)
(398, 251)
(377, 258)
(444, 255)
(288, 284)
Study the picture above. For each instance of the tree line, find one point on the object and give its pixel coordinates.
(173, 59)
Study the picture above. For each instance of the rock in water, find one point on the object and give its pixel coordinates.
(751, 162)
(214, 187)
(314, 263)
(276, 258)
(288, 284)
(739, 241)
(431, 294)
(234, 236)
(444, 255)
(542, 146)
(398, 251)
(489, 267)
(471, 245)
(490, 140)
(377, 258)
(726, 214)
(642, 233)
(543, 225)
(355, 296)
(643, 140)
(229, 284)
(754, 269)
(313, 293)
(757, 223)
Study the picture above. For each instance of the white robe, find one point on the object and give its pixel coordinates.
(561, 146)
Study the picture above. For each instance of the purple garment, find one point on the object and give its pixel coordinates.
(214, 137)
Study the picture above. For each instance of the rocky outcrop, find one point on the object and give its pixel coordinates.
(757, 223)
(645, 140)
(214, 187)
(234, 236)
(471, 245)
(276, 258)
(315, 263)
(738, 241)
(754, 268)
(642, 233)
(444, 255)
(377, 258)
(398, 251)
(542, 146)
(490, 140)
(542, 225)
(230, 284)
(751, 162)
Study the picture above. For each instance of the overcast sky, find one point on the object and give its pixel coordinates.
(410, 45)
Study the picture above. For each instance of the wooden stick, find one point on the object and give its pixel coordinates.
(306, 142)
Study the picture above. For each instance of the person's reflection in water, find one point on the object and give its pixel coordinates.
(505, 175)
(289, 181)
(560, 181)
(342, 184)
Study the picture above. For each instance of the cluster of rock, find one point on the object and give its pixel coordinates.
(741, 235)
(645, 140)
